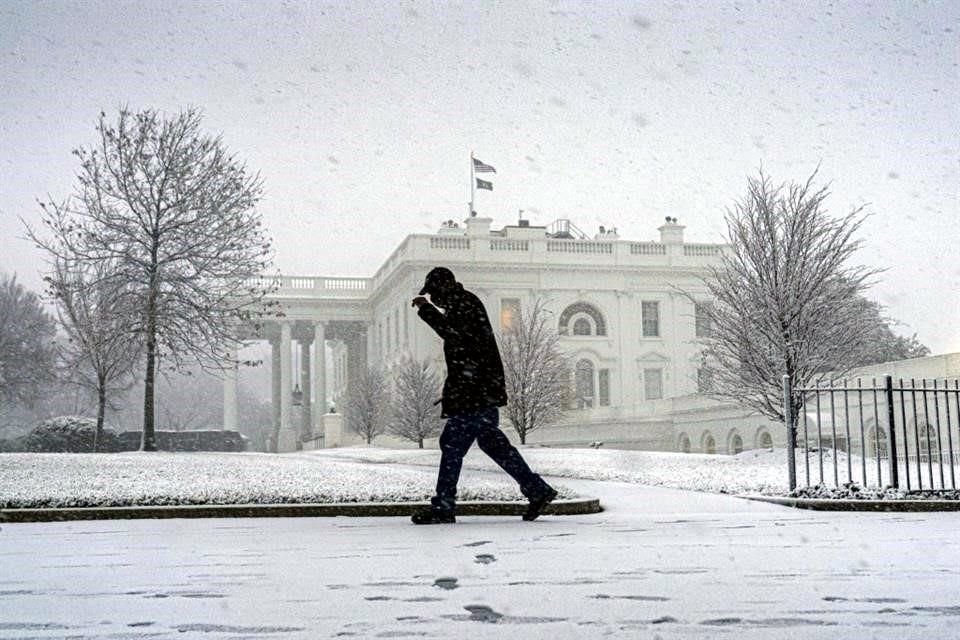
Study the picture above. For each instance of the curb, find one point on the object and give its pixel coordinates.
(816, 504)
(581, 506)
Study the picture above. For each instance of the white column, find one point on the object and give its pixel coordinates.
(365, 343)
(306, 424)
(286, 408)
(230, 393)
(320, 379)
(275, 393)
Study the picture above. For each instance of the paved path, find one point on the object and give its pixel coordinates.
(658, 563)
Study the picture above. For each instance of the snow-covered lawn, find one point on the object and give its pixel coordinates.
(120, 479)
(757, 471)
(364, 474)
(347, 475)
(760, 471)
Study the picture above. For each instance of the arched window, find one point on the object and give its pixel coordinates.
(736, 444)
(683, 443)
(583, 382)
(582, 327)
(877, 443)
(709, 443)
(570, 320)
(765, 440)
(928, 441)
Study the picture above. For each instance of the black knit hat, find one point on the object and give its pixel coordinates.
(437, 279)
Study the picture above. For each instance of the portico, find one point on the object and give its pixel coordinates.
(312, 313)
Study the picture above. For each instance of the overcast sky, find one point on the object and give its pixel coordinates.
(361, 117)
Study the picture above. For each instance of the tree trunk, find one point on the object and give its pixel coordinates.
(101, 406)
(420, 442)
(148, 441)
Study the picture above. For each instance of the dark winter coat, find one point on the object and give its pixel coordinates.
(474, 370)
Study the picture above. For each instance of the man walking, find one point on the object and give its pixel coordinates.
(472, 393)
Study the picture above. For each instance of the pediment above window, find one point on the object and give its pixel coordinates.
(652, 356)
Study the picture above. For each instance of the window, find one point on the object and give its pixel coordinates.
(572, 315)
(604, 384)
(650, 312)
(709, 443)
(683, 443)
(581, 327)
(702, 324)
(736, 444)
(653, 384)
(583, 383)
(929, 443)
(509, 313)
(765, 441)
(877, 445)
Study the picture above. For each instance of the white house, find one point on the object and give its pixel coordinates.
(629, 312)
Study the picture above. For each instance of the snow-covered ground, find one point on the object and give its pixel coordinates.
(345, 475)
(120, 479)
(359, 474)
(657, 563)
(757, 471)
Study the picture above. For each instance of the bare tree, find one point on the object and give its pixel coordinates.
(880, 343)
(537, 371)
(175, 212)
(785, 300)
(416, 412)
(28, 351)
(102, 346)
(367, 407)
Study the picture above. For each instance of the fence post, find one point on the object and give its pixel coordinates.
(891, 433)
(791, 433)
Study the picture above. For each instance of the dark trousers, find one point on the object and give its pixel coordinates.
(483, 426)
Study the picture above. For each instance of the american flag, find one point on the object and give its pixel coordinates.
(481, 167)
(483, 184)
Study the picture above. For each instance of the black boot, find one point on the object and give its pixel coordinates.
(432, 515)
(538, 502)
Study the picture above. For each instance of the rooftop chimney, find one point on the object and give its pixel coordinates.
(607, 233)
(450, 228)
(671, 232)
(477, 226)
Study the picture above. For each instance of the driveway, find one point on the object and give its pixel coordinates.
(657, 563)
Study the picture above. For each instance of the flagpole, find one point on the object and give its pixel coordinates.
(473, 186)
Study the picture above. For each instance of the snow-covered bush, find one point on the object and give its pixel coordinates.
(68, 434)
(853, 491)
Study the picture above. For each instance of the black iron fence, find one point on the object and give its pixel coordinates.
(886, 433)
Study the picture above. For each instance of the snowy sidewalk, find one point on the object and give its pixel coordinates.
(658, 562)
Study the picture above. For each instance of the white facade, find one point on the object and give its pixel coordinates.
(623, 308)
(626, 311)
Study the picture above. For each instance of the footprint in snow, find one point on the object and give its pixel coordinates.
(483, 613)
(446, 583)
